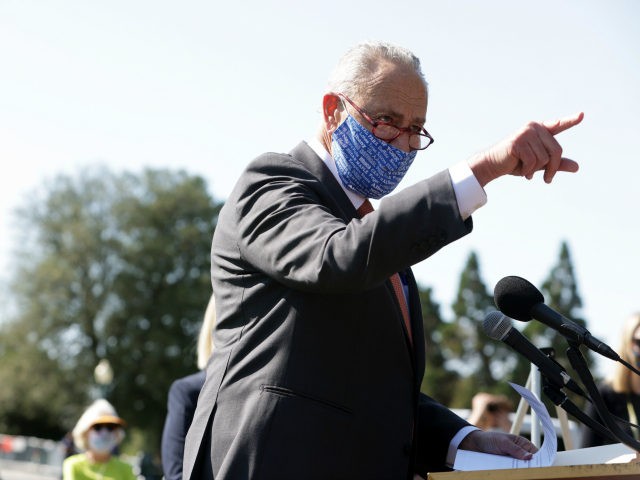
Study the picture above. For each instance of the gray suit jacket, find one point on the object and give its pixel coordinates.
(312, 375)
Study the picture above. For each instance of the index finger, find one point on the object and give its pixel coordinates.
(563, 124)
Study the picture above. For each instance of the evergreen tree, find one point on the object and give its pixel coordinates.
(483, 362)
(560, 290)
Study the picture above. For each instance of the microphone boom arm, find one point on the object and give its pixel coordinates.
(560, 399)
(578, 363)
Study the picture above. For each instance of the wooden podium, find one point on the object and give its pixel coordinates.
(613, 471)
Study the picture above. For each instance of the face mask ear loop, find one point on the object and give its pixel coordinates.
(343, 108)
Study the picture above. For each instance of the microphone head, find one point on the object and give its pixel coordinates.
(496, 325)
(515, 297)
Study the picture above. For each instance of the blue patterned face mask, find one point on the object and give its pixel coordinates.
(367, 165)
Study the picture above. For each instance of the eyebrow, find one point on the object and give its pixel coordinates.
(394, 114)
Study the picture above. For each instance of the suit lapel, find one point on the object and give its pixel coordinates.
(340, 203)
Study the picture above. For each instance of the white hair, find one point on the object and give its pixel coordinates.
(205, 339)
(363, 60)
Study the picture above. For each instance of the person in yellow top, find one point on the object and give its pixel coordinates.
(98, 432)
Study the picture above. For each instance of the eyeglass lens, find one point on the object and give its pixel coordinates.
(390, 132)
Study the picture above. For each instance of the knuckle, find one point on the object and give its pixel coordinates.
(556, 150)
(531, 127)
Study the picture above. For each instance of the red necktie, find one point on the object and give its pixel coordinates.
(363, 210)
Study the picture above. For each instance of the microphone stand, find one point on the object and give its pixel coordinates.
(560, 399)
(629, 366)
(533, 383)
(580, 365)
(564, 405)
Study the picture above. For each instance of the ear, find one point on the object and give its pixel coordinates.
(333, 112)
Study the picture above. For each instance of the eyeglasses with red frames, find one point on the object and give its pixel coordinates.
(418, 140)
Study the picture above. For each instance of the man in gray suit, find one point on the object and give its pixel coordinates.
(319, 343)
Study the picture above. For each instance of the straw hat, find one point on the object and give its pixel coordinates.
(100, 411)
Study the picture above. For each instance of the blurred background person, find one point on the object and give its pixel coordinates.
(98, 433)
(182, 399)
(621, 390)
(491, 412)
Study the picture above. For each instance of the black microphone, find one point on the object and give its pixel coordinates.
(500, 327)
(519, 299)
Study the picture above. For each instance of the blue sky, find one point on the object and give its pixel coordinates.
(207, 86)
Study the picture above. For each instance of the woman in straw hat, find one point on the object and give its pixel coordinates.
(98, 432)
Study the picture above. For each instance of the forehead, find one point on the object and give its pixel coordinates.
(397, 89)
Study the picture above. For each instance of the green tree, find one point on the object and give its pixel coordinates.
(560, 290)
(116, 267)
(438, 381)
(35, 395)
(484, 363)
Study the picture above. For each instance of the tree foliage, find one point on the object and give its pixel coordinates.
(486, 362)
(439, 382)
(560, 290)
(474, 362)
(110, 266)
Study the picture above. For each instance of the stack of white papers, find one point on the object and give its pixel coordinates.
(616, 453)
(547, 455)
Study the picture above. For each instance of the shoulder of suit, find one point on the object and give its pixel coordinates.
(295, 163)
(189, 382)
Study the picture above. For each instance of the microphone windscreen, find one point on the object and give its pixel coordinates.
(515, 297)
(496, 325)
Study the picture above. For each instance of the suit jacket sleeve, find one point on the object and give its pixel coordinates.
(290, 232)
(435, 421)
